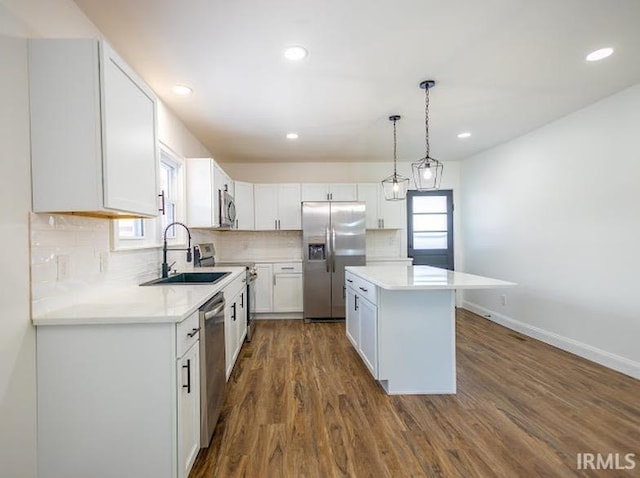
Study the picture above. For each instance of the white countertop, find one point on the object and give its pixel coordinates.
(134, 304)
(424, 278)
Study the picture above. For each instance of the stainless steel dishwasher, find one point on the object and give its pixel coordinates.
(212, 366)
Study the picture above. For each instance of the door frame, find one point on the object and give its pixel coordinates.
(448, 193)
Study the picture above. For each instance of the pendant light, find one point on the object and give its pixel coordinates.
(427, 172)
(395, 186)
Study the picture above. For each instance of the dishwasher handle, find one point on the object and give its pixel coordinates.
(210, 314)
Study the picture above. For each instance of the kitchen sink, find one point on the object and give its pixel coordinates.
(189, 278)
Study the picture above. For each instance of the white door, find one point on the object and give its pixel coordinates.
(188, 374)
(130, 154)
(287, 292)
(352, 318)
(315, 192)
(369, 335)
(265, 200)
(369, 193)
(343, 192)
(264, 288)
(289, 208)
(230, 340)
(244, 206)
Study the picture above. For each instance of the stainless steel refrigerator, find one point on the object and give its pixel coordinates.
(333, 236)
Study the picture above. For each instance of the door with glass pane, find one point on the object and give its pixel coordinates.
(430, 228)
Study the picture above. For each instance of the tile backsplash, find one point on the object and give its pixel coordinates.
(72, 260)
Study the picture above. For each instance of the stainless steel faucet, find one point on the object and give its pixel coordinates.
(165, 265)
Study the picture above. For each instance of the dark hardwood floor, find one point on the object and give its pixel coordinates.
(300, 403)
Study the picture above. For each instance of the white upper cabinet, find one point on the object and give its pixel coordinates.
(243, 196)
(277, 206)
(205, 180)
(329, 192)
(380, 213)
(94, 146)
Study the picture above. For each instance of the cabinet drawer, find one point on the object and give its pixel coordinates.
(287, 267)
(187, 333)
(362, 287)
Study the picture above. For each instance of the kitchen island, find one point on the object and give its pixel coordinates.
(401, 321)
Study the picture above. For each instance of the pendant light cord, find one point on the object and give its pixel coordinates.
(395, 143)
(426, 120)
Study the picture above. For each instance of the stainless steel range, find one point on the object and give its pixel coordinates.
(204, 255)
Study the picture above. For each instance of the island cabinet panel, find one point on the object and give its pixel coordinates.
(416, 342)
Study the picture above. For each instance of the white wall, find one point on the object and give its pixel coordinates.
(557, 211)
(82, 239)
(17, 335)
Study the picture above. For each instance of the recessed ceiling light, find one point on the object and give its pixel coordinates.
(292, 135)
(599, 54)
(295, 53)
(182, 90)
(466, 134)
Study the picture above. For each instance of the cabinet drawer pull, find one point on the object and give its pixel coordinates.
(193, 332)
(188, 367)
(362, 289)
(287, 268)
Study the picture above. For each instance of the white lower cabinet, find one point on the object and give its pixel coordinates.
(118, 399)
(188, 373)
(264, 288)
(362, 321)
(279, 287)
(368, 345)
(235, 322)
(287, 292)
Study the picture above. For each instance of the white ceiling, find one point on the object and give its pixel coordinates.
(502, 67)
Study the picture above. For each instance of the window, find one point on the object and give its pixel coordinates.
(143, 233)
(430, 228)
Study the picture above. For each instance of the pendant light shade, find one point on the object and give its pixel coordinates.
(395, 186)
(427, 172)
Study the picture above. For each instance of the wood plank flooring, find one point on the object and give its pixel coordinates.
(300, 403)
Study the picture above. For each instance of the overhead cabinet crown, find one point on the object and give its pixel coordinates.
(94, 146)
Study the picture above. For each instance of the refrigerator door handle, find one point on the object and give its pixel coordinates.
(328, 253)
(333, 248)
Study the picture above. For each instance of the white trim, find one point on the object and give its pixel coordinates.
(589, 352)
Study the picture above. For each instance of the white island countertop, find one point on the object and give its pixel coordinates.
(424, 278)
(134, 304)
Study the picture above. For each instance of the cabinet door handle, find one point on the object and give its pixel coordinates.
(362, 289)
(349, 280)
(162, 203)
(188, 367)
(236, 224)
(234, 311)
(193, 332)
(242, 300)
(344, 291)
(355, 303)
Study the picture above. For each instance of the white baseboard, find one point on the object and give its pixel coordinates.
(602, 357)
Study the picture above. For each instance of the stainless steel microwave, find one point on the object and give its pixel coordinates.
(226, 209)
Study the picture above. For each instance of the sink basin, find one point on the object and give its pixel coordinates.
(189, 278)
